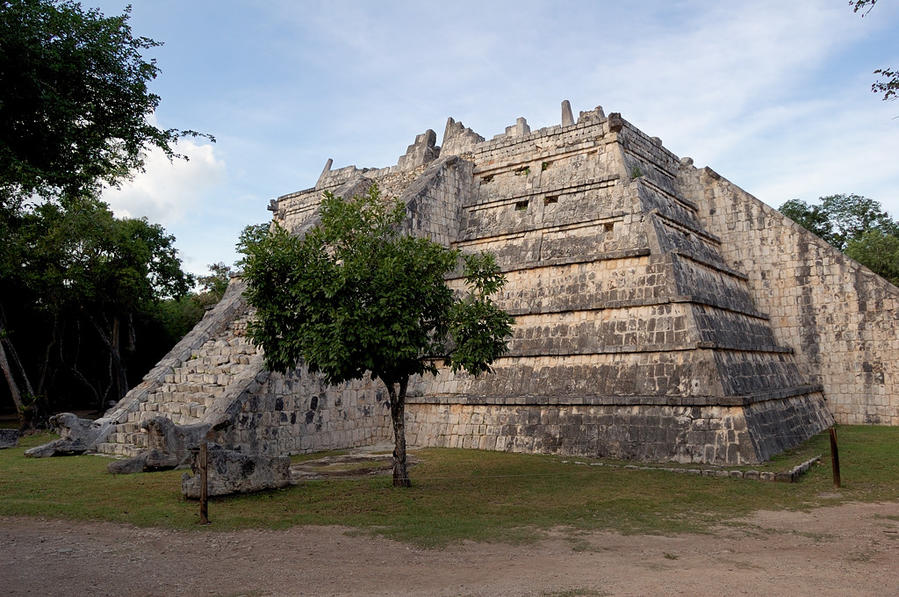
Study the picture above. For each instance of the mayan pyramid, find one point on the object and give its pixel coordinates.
(662, 313)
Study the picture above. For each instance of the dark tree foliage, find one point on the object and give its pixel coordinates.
(354, 295)
(212, 287)
(83, 299)
(80, 288)
(810, 217)
(856, 225)
(878, 251)
(863, 6)
(177, 316)
(74, 101)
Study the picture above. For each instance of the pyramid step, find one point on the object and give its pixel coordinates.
(140, 440)
(114, 449)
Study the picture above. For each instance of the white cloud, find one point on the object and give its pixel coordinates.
(167, 190)
(835, 150)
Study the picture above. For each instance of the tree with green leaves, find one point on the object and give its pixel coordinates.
(76, 115)
(810, 217)
(355, 295)
(74, 100)
(878, 251)
(177, 315)
(78, 282)
(856, 225)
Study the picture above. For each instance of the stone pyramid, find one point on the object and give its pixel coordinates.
(637, 333)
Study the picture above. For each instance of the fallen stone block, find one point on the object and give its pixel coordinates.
(152, 460)
(172, 442)
(127, 466)
(169, 444)
(9, 438)
(77, 436)
(230, 472)
(58, 447)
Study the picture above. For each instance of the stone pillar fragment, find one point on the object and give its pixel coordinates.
(567, 116)
(458, 139)
(422, 151)
(519, 129)
(326, 171)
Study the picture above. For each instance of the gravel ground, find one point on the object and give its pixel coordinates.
(845, 550)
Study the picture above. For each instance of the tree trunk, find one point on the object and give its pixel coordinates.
(118, 381)
(9, 374)
(397, 415)
(11, 382)
(13, 354)
(84, 380)
(42, 379)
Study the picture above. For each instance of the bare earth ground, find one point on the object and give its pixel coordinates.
(845, 550)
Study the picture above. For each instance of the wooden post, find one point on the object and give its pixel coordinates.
(835, 457)
(204, 497)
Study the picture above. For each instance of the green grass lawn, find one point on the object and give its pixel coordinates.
(460, 494)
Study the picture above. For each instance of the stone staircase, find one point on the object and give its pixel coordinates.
(192, 388)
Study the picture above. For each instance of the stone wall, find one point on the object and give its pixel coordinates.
(626, 299)
(298, 412)
(657, 315)
(721, 434)
(155, 394)
(841, 319)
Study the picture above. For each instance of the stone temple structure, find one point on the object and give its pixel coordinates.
(662, 313)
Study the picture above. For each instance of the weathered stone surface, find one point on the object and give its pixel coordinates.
(233, 472)
(166, 437)
(458, 139)
(168, 444)
(127, 466)
(57, 447)
(421, 152)
(654, 432)
(662, 314)
(9, 438)
(567, 117)
(841, 319)
(150, 460)
(77, 436)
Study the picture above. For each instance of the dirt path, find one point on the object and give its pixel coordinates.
(845, 550)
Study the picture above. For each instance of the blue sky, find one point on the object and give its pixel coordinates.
(773, 95)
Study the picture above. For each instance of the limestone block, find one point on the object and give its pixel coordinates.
(9, 438)
(77, 436)
(235, 472)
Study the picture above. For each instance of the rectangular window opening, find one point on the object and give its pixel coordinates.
(488, 178)
(608, 226)
(550, 199)
(521, 206)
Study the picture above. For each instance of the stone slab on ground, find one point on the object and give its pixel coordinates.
(9, 438)
(77, 436)
(233, 472)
